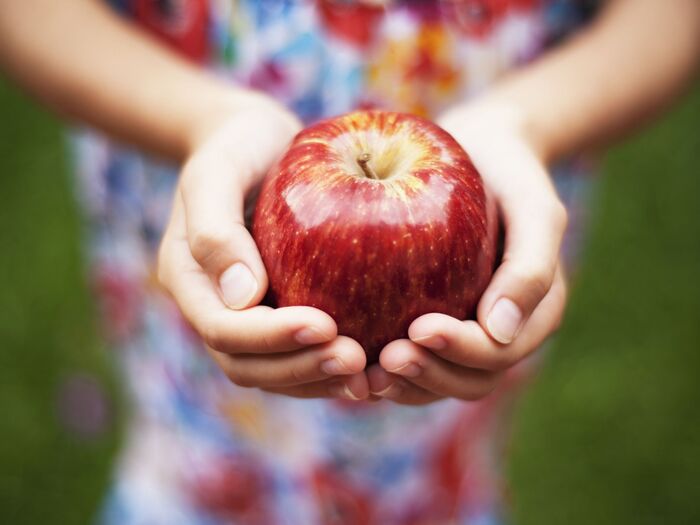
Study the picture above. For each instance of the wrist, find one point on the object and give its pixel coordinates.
(227, 105)
(494, 115)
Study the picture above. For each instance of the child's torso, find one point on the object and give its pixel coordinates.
(324, 57)
(204, 449)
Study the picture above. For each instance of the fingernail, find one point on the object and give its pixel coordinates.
(344, 392)
(504, 320)
(408, 370)
(435, 342)
(334, 367)
(310, 336)
(238, 286)
(393, 390)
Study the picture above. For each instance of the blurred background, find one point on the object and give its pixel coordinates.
(609, 433)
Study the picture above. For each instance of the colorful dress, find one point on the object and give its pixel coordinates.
(200, 450)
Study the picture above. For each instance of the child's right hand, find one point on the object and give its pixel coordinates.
(210, 265)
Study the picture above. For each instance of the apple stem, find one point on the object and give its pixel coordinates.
(363, 161)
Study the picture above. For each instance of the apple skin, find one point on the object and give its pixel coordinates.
(375, 254)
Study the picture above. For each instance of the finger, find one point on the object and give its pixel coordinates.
(534, 228)
(342, 356)
(428, 371)
(213, 186)
(216, 232)
(255, 330)
(466, 343)
(350, 388)
(384, 385)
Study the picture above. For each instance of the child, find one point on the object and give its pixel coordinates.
(224, 100)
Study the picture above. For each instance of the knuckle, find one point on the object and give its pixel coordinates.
(489, 385)
(439, 383)
(241, 379)
(505, 361)
(265, 344)
(562, 289)
(297, 374)
(239, 229)
(537, 280)
(162, 259)
(471, 395)
(557, 321)
(561, 293)
(481, 387)
(204, 244)
(240, 374)
(560, 215)
(507, 357)
(191, 173)
(213, 338)
(233, 376)
(161, 273)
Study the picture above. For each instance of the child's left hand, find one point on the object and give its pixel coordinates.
(523, 304)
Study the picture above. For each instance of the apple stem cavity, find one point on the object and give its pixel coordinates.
(363, 161)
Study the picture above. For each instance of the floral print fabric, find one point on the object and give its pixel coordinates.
(202, 451)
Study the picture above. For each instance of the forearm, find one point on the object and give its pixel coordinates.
(84, 62)
(622, 70)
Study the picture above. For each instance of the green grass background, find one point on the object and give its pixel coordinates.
(609, 434)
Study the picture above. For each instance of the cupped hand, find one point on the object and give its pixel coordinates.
(525, 300)
(210, 265)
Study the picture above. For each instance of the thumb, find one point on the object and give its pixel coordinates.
(213, 195)
(534, 230)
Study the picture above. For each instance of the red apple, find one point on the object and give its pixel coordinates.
(376, 218)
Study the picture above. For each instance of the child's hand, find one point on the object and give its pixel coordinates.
(211, 266)
(524, 302)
